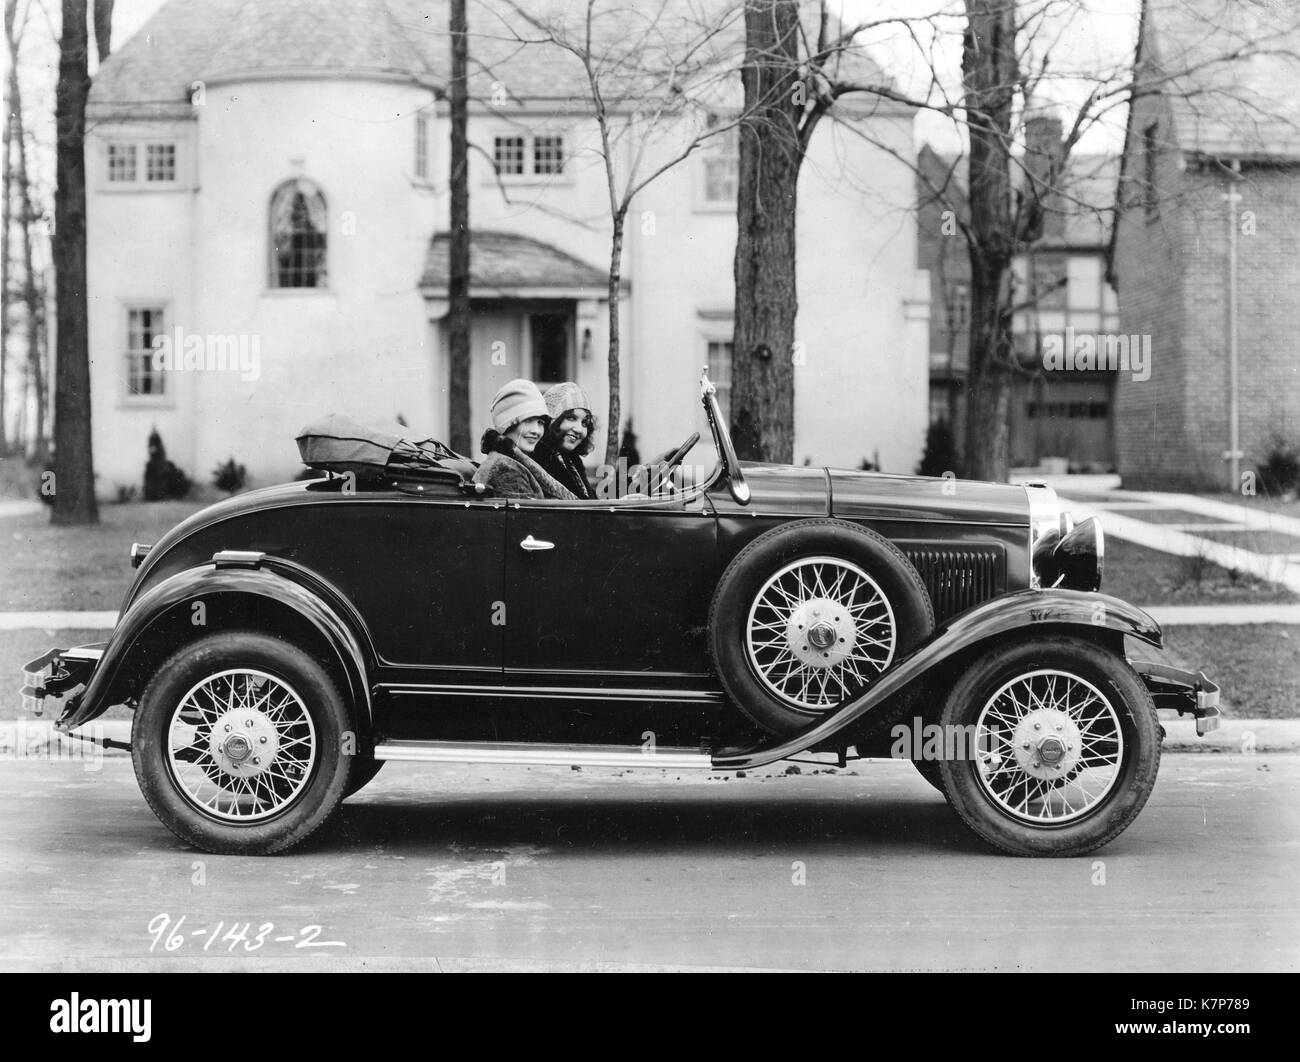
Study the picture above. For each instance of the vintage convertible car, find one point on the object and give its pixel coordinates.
(279, 647)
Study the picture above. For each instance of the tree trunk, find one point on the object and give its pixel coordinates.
(990, 73)
(458, 314)
(11, 114)
(74, 483)
(615, 283)
(31, 295)
(103, 19)
(762, 367)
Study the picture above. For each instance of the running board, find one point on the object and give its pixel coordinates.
(675, 759)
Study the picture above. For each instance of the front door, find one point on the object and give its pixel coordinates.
(614, 595)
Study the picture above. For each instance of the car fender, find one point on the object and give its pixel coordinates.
(1021, 614)
(253, 575)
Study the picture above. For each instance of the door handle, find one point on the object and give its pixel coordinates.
(531, 543)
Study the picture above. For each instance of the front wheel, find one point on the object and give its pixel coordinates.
(1057, 747)
(238, 744)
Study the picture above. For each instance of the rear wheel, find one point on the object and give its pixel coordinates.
(1061, 747)
(237, 744)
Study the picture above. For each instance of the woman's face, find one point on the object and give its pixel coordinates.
(571, 429)
(526, 433)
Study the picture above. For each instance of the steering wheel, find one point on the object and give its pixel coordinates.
(677, 456)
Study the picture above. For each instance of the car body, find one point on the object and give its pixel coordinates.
(280, 646)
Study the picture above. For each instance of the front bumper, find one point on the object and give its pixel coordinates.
(56, 673)
(1187, 692)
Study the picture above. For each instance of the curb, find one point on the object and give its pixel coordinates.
(36, 739)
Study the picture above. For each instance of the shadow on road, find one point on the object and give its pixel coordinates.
(732, 822)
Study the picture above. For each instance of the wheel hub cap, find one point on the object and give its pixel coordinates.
(1047, 743)
(821, 633)
(244, 742)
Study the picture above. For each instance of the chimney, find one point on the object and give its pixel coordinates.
(1043, 134)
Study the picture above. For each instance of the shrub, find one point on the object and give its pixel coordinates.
(229, 476)
(1280, 472)
(123, 493)
(628, 448)
(163, 481)
(940, 454)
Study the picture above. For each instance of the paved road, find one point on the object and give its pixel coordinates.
(464, 868)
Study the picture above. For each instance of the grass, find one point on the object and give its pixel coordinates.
(1257, 667)
(1148, 577)
(44, 567)
(1254, 541)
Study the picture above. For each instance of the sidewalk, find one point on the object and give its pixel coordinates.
(1179, 539)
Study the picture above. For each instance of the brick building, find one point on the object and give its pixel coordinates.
(1201, 273)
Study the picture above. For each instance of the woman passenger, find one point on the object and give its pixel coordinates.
(569, 438)
(519, 420)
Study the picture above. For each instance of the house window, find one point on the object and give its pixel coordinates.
(297, 236)
(143, 324)
(422, 146)
(508, 152)
(718, 358)
(121, 163)
(1150, 147)
(548, 154)
(529, 156)
(722, 167)
(957, 305)
(160, 162)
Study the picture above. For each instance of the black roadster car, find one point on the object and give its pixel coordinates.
(279, 647)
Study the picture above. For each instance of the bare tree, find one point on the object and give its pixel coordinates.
(651, 72)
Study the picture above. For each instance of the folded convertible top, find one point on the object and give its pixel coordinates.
(339, 444)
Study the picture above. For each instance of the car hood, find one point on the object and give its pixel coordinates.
(876, 495)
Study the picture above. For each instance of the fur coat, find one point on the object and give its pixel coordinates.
(510, 473)
(564, 466)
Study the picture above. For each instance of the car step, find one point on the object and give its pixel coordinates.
(559, 755)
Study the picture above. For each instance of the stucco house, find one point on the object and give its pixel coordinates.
(1206, 252)
(268, 206)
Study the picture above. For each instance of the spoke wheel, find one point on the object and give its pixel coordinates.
(241, 745)
(819, 628)
(1050, 747)
(808, 615)
(1060, 742)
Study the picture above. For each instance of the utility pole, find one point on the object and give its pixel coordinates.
(1234, 454)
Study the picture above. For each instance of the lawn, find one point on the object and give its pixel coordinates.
(44, 567)
(1257, 667)
(1148, 577)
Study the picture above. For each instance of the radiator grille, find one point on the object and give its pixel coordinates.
(958, 579)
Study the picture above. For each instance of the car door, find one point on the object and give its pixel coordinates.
(609, 594)
(425, 574)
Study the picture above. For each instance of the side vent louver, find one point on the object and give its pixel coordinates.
(958, 579)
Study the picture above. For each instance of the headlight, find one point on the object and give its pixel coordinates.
(1072, 560)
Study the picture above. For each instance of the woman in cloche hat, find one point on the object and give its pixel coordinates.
(519, 418)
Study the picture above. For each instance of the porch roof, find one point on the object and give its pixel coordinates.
(505, 262)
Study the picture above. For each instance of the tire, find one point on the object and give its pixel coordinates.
(364, 769)
(230, 796)
(1049, 800)
(850, 585)
(932, 772)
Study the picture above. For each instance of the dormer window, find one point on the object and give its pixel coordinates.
(298, 225)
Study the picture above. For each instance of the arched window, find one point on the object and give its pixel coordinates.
(298, 227)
